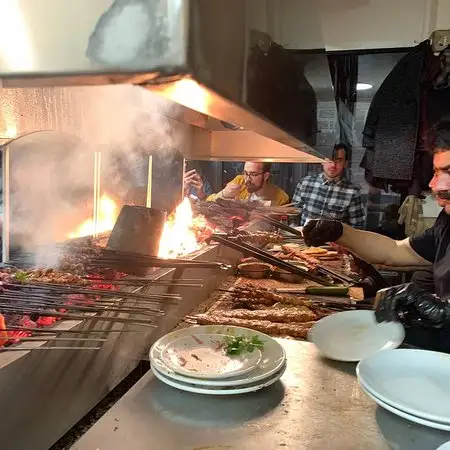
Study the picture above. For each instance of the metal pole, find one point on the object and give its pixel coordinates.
(182, 179)
(97, 187)
(149, 182)
(6, 204)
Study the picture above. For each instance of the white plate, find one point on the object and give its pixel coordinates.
(354, 335)
(273, 356)
(403, 414)
(445, 446)
(204, 356)
(214, 390)
(415, 381)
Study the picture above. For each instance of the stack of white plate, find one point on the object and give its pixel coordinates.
(413, 384)
(194, 360)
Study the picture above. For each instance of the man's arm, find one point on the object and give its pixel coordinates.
(297, 199)
(282, 198)
(377, 249)
(229, 191)
(357, 211)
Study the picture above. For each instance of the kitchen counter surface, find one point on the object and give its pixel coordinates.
(317, 405)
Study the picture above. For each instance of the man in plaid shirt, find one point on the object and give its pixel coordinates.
(330, 195)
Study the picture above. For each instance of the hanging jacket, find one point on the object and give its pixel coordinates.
(390, 132)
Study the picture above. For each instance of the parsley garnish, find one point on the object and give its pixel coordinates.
(20, 276)
(236, 345)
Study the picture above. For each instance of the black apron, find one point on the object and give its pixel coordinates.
(418, 335)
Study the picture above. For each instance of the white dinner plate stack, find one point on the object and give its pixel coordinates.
(194, 360)
(413, 384)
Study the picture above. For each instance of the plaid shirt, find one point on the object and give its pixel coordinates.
(328, 199)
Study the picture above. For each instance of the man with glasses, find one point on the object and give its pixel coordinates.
(253, 185)
(330, 195)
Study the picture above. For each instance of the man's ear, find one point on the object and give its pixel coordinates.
(266, 176)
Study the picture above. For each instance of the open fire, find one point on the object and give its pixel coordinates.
(183, 233)
(108, 212)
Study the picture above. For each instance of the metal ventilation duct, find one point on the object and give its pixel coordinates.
(215, 58)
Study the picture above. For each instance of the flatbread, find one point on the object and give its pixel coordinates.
(313, 251)
(333, 255)
(293, 246)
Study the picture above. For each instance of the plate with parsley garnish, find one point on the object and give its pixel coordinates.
(216, 359)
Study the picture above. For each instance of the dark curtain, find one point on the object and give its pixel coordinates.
(344, 75)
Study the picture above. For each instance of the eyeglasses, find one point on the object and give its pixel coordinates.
(251, 175)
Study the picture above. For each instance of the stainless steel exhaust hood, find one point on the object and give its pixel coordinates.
(215, 57)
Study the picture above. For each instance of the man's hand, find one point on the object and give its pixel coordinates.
(231, 190)
(193, 179)
(319, 232)
(406, 301)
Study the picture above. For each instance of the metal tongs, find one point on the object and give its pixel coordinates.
(278, 224)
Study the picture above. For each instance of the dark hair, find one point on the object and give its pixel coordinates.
(442, 135)
(266, 167)
(341, 146)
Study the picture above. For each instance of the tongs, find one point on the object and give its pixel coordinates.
(278, 224)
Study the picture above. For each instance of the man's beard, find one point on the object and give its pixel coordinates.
(443, 195)
(253, 187)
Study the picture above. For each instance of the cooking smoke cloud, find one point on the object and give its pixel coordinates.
(52, 171)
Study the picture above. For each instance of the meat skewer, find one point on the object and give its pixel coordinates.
(82, 290)
(11, 328)
(80, 308)
(71, 316)
(282, 315)
(49, 338)
(249, 304)
(260, 238)
(145, 283)
(267, 297)
(14, 296)
(27, 349)
(41, 295)
(116, 257)
(263, 326)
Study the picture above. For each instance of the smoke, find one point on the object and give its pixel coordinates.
(52, 172)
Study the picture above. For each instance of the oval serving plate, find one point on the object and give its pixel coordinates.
(204, 356)
(273, 356)
(220, 390)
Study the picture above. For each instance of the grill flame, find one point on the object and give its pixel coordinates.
(178, 237)
(179, 234)
(108, 212)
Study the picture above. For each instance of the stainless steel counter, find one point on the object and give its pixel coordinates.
(317, 406)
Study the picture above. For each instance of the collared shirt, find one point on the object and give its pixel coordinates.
(272, 193)
(320, 198)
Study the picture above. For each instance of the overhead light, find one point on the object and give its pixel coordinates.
(363, 86)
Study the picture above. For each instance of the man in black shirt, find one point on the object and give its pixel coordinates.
(429, 313)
